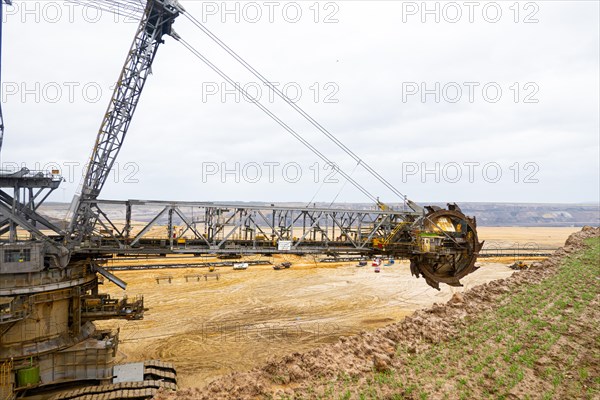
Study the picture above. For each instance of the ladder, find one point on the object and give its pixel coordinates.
(6, 380)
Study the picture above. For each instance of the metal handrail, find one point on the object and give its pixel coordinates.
(29, 173)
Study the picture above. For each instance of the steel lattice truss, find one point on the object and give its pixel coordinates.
(156, 22)
(29, 190)
(188, 227)
(441, 244)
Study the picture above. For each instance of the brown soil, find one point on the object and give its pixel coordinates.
(211, 328)
(316, 373)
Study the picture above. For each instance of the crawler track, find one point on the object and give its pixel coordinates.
(157, 374)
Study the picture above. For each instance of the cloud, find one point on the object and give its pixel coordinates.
(355, 77)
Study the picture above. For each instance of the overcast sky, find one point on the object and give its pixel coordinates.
(491, 102)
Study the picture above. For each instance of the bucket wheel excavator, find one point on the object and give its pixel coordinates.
(45, 265)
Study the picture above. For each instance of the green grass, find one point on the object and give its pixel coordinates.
(506, 343)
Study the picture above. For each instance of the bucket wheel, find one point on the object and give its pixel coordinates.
(447, 246)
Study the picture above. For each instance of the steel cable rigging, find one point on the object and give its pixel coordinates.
(297, 108)
(274, 117)
(132, 8)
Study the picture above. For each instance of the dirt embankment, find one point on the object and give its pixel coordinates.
(516, 345)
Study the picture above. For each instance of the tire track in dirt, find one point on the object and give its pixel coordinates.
(298, 373)
(297, 309)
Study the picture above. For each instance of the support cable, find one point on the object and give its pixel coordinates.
(273, 116)
(128, 8)
(344, 185)
(316, 193)
(294, 105)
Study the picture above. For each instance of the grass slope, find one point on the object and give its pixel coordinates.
(543, 341)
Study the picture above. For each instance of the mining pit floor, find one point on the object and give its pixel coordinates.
(212, 327)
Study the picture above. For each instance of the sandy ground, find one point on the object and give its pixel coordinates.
(543, 237)
(210, 328)
(531, 335)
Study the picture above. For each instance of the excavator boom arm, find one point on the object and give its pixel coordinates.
(156, 22)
